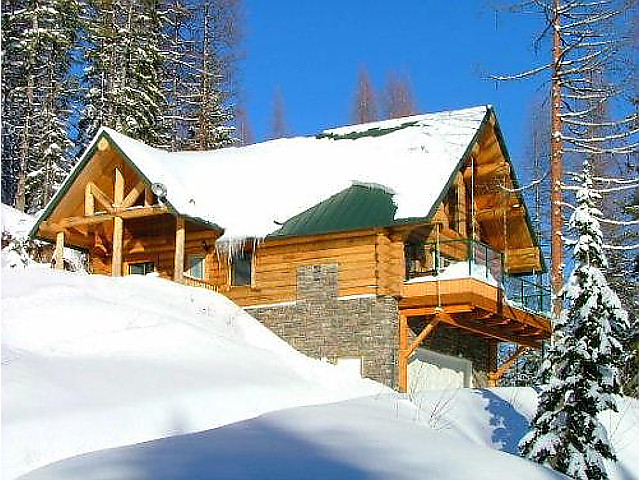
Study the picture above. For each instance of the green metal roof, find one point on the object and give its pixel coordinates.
(358, 206)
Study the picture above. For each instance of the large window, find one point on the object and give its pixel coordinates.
(241, 268)
(141, 268)
(196, 266)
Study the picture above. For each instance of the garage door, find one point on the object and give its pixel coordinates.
(429, 370)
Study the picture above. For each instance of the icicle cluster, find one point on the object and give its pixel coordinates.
(583, 361)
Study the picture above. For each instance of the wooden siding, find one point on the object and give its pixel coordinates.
(276, 263)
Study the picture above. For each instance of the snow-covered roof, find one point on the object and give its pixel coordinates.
(245, 190)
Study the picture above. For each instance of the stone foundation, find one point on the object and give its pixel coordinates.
(322, 325)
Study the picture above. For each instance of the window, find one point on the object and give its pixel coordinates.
(241, 266)
(141, 268)
(196, 266)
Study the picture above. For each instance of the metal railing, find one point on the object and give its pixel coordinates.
(470, 258)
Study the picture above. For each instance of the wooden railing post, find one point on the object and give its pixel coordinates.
(178, 262)
(59, 253)
(403, 357)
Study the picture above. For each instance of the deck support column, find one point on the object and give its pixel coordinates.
(178, 262)
(403, 356)
(59, 253)
(406, 350)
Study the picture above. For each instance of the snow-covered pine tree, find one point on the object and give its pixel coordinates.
(177, 75)
(122, 51)
(38, 40)
(583, 359)
(215, 34)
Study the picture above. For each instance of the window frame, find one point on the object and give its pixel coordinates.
(201, 256)
(232, 261)
(145, 263)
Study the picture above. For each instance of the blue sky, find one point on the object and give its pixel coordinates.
(312, 51)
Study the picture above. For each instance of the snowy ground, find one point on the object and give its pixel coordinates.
(140, 378)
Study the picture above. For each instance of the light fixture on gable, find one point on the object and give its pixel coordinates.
(159, 190)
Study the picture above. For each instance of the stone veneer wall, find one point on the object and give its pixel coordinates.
(322, 325)
(452, 341)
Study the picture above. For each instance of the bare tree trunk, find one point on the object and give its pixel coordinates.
(556, 166)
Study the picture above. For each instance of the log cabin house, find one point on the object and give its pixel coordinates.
(401, 249)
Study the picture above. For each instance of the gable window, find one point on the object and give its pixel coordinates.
(196, 266)
(241, 268)
(141, 268)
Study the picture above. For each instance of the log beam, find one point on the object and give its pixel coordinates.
(133, 195)
(427, 311)
(100, 196)
(426, 331)
(494, 377)
(490, 170)
(118, 187)
(178, 262)
(134, 212)
(497, 214)
(59, 254)
(116, 255)
(89, 200)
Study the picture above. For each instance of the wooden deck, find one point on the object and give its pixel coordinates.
(475, 306)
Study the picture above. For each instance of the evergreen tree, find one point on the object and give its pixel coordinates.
(125, 91)
(38, 40)
(583, 359)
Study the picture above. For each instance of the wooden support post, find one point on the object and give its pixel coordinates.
(116, 256)
(118, 224)
(118, 188)
(504, 368)
(148, 197)
(403, 356)
(59, 254)
(178, 263)
(89, 202)
(423, 335)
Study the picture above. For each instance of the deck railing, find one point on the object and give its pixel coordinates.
(449, 259)
(197, 282)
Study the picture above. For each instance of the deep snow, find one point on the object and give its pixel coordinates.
(186, 385)
(91, 362)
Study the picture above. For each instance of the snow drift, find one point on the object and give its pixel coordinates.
(91, 362)
(141, 378)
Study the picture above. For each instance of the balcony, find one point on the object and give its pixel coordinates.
(470, 259)
(464, 284)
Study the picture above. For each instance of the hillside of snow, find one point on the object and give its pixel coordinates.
(140, 378)
(91, 362)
